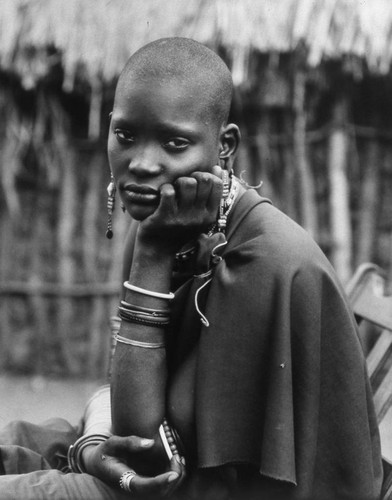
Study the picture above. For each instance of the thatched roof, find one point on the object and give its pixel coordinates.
(93, 38)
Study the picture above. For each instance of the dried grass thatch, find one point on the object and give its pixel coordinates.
(93, 38)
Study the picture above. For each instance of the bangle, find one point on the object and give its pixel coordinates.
(146, 310)
(74, 455)
(144, 315)
(134, 318)
(143, 291)
(138, 343)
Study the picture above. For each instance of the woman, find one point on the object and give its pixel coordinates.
(248, 381)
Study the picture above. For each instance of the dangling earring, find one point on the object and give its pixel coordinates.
(110, 206)
(222, 206)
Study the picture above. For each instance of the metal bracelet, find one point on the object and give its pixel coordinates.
(149, 310)
(74, 455)
(132, 318)
(144, 315)
(143, 291)
(138, 343)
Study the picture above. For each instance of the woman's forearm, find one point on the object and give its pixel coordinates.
(138, 384)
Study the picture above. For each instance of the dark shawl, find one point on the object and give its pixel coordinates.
(281, 380)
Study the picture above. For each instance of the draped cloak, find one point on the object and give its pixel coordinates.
(280, 382)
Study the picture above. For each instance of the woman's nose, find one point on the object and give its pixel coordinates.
(144, 163)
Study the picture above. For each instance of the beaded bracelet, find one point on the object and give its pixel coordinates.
(168, 439)
(74, 454)
(143, 291)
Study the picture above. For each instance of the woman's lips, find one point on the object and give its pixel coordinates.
(144, 195)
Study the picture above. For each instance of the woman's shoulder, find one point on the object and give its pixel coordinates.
(269, 234)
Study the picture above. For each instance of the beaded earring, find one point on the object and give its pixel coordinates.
(111, 190)
(222, 206)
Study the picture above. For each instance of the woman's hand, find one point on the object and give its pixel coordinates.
(187, 207)
(109, 460)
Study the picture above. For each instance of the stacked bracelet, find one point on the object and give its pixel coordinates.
(133, 317)
(143, 315)
(74, 455)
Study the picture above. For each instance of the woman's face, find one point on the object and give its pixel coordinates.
(159, 132)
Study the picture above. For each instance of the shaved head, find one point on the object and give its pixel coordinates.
(186, 63)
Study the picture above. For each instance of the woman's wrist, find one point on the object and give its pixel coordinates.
(154, 254)
(151, 271)
(87, 458)
(155, 244)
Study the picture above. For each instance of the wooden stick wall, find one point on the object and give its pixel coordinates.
(60, 277)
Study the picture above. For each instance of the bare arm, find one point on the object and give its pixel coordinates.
(139, 375)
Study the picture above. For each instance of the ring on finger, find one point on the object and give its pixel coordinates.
(126, 479)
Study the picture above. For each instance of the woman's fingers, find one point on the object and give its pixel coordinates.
(168, 202)
(142, 486)
(115, 453)
(159, 485)
(205, 183)
(215, 195)
(108, 462)
(200, 192)
(177, 464)
(186, 207)
(186, 192)
(217, 171)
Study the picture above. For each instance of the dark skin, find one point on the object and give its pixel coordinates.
(166, 154)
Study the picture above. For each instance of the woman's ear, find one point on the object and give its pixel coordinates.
(230, 137)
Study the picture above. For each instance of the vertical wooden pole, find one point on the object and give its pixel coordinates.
(264, 156)
(307, 205)
(289, 198)
(94, 119)
(387, 197)
(6, 246)
(339, 205)
(43, 334)
(97, 337)
(67, 240)
(10, 268)
(369, 203)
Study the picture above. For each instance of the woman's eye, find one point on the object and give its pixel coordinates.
(124, 136)
(176, 144)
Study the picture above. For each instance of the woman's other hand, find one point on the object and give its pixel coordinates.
(109, 460)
